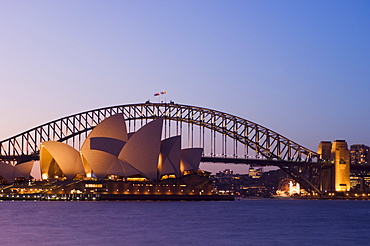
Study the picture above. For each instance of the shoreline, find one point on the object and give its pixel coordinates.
(113, 197)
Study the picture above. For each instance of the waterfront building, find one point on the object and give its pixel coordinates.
(359, 154)
(360, 162)
(288, 187)
(109, 151)
(244, 185)
(255, 173)
(115, 164)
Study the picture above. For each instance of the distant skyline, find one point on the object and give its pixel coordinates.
(300, 68)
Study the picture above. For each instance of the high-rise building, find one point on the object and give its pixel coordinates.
(359, 154)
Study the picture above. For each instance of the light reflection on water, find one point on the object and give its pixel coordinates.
(247, 222)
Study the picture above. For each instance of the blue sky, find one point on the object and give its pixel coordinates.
(300, 68)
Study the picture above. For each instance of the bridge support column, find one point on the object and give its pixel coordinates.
(336, 171)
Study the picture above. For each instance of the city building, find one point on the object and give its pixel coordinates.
(359, 154)
(255, 173)
(244, 185)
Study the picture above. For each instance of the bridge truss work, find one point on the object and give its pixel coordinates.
(224, 137)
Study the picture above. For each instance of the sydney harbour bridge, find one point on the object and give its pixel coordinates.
(225, 138)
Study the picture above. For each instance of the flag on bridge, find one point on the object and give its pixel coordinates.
(160, 93)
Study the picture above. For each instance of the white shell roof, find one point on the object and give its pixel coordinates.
(190, 159)
(170, 156)
(109, 150)
(24, 169)
(100, 162)
(45, 160)
(143, 148)
(7, 172)
(67, 158)
(112, 127)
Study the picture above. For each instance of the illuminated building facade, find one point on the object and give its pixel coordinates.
(328, 172)
(288, 187)
(336, 170)
(359, 154)
(255, 173)
(109, 151)
(340, 156)
(115, 164)
(324, 150)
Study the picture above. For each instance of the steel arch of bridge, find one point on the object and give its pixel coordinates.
(267, 144)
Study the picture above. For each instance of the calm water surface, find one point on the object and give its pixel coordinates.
(247, 222)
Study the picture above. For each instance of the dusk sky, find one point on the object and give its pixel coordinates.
(300, 68)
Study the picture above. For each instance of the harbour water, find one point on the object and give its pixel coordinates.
(246, 222)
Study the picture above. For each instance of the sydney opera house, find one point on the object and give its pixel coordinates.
(115, 164)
